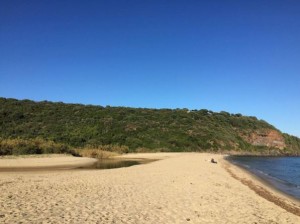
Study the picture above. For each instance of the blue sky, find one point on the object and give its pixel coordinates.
(236, 56)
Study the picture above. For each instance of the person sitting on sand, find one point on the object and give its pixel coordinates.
(213, 161)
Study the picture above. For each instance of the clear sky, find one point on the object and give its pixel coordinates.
(237, 56)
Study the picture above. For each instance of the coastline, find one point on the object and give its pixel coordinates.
(262, 187)
(176, 188)
(260, 179)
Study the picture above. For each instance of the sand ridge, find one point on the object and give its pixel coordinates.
(180, 188)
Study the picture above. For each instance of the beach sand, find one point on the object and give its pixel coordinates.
(179, 188)
(44, 162)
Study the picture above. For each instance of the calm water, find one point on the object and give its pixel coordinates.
(281, 172)
(114, 163)
(118, 163)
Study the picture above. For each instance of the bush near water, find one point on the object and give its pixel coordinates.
(31, 146)
(28, 127)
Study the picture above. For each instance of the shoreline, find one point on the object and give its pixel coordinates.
(263, 188)
(176, 188)
(260, 179)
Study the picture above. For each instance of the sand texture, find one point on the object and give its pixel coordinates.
(51, 162)
(180, 188)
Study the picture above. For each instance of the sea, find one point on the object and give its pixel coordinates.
(283, 173)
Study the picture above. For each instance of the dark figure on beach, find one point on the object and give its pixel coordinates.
(213, 161)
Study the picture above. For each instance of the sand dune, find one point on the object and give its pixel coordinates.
(180, 188)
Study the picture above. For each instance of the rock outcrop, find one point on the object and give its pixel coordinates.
(269, 138)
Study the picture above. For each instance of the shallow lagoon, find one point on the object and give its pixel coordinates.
(117, 163)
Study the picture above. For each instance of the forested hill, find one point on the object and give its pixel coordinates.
(140, 129)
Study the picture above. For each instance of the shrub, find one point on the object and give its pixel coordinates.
(31, 146)
(95, 153)
(110, 148)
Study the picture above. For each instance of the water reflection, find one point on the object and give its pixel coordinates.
(117, 163)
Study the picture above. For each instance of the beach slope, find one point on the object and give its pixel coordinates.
(179, 188)
(44, 162)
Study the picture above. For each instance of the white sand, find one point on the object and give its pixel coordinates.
(181, 188)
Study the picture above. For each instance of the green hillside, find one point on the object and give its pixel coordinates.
(137, 129)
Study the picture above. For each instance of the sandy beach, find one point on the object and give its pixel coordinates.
(42, 162)
(178, 188)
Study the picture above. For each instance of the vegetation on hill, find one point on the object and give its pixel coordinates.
(31, 146)
(67, 126)
(293, 144)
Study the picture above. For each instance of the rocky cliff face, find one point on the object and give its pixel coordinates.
(269, 138)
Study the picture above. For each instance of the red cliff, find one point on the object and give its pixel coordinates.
(269, 138)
